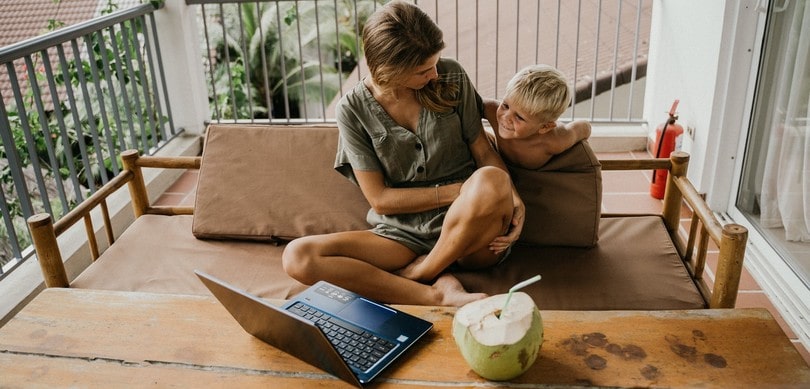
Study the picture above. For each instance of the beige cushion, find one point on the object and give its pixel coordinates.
(260, 182)
(634, 266)
(563, 199)
(158, 254)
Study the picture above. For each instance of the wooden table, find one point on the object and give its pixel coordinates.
(86, 338)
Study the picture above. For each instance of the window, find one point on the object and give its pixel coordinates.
(774, 192)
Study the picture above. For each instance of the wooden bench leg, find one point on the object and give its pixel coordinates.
(673, 198)
(137, 187)
(48, 255)
(729, 266)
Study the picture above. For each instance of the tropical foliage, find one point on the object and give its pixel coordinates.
(270, 57)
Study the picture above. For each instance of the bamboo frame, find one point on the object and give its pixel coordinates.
(44, 231)
(731, 239)
(137, 187)
(48, 254)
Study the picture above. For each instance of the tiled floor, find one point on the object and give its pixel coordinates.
(622, 191)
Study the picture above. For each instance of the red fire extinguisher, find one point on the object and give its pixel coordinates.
(667, 139)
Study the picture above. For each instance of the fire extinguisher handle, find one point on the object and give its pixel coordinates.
(674, 107)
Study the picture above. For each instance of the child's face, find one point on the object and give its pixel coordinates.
(515, 122)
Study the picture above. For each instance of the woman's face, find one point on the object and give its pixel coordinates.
(421, 75)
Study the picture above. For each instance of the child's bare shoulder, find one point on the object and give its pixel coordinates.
(529, 153)
(536, 151)
(569, 134)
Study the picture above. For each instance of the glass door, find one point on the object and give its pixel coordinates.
(774, 188)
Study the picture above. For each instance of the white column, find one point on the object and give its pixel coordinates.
(179, 33)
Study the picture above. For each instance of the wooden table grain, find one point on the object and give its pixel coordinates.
(87, 338)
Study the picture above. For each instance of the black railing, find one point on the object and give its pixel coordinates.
(72, 99)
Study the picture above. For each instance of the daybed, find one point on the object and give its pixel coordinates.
(261, 185)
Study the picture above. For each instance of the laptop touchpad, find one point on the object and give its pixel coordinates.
(366, 313)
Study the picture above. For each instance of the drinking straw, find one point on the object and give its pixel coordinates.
(517, 286)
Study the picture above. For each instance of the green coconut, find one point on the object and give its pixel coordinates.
(499, 343)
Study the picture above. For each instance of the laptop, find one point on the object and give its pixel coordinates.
(326, 326)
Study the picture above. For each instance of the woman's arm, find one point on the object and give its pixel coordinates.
(390, 201)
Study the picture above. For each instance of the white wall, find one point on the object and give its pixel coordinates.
(182, 62)
(684, 54)
(701, 52)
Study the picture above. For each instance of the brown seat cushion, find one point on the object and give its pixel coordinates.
(159, 254)
(634, 267)
(261, 182)
(563, 199)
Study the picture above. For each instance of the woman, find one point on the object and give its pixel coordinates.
(411, 137)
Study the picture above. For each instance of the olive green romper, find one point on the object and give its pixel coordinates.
(437, 152)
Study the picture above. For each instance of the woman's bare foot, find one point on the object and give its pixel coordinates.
(453, 292)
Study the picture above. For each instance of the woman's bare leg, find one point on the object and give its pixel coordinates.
(362, 261)
(482, 211)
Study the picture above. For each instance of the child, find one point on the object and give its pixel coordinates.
(527, 133)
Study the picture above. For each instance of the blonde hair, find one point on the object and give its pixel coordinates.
(398, 38)
(541, 90)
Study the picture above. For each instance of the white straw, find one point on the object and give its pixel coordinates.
(517, 286)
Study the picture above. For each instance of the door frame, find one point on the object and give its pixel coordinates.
(784, 288)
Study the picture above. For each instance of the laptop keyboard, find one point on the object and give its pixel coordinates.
(359, 348)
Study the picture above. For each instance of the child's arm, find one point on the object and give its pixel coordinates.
(491, 111)
(580, 129)
(560, 139)
(568, 135)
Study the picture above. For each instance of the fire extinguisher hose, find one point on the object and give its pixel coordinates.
(660, 145)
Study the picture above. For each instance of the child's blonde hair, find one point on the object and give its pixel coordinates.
(541, 90)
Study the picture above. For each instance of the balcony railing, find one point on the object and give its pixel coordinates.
(290, 60)
(73, 98)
